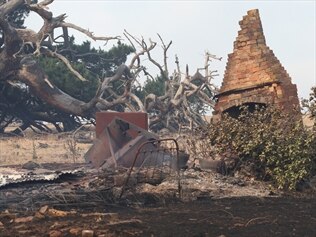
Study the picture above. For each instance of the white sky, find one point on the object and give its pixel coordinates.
(197, 26)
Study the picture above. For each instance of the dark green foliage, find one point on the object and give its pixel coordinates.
(93, 64)
(98, 61)
(273, 143)
(60, 75)
(154, 86)
(17, 103)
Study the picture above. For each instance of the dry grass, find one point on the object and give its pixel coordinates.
(46, 148)
(62, 148)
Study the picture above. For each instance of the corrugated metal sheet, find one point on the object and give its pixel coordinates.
(14, 175)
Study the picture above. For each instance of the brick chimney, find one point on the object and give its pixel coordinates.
(253, 74)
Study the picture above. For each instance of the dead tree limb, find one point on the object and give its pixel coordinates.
(182, 92)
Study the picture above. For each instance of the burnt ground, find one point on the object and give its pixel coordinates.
(75, 203)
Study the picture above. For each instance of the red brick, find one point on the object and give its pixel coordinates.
(251, 64)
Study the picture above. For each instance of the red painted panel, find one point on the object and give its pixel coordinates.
(103, 119)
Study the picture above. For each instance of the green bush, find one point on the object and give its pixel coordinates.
(273, 143)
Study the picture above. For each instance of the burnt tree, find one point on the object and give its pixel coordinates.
(21, 49)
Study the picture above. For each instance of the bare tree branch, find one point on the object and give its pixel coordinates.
(88, 33)
(65, 61)
(165, 57)
(19, 53)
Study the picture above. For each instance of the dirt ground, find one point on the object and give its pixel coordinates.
(247, 216)
(85, 202)
(37, 209)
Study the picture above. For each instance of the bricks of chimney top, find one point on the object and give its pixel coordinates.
(253, 63)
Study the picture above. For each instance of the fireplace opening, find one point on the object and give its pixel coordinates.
(235, 111)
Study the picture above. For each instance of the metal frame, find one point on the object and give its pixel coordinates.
(141, 150)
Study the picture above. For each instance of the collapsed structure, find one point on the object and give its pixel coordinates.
(253, 75)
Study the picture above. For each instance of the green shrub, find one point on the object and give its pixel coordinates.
(273, 143)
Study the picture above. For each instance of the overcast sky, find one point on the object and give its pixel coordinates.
(197, 26)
